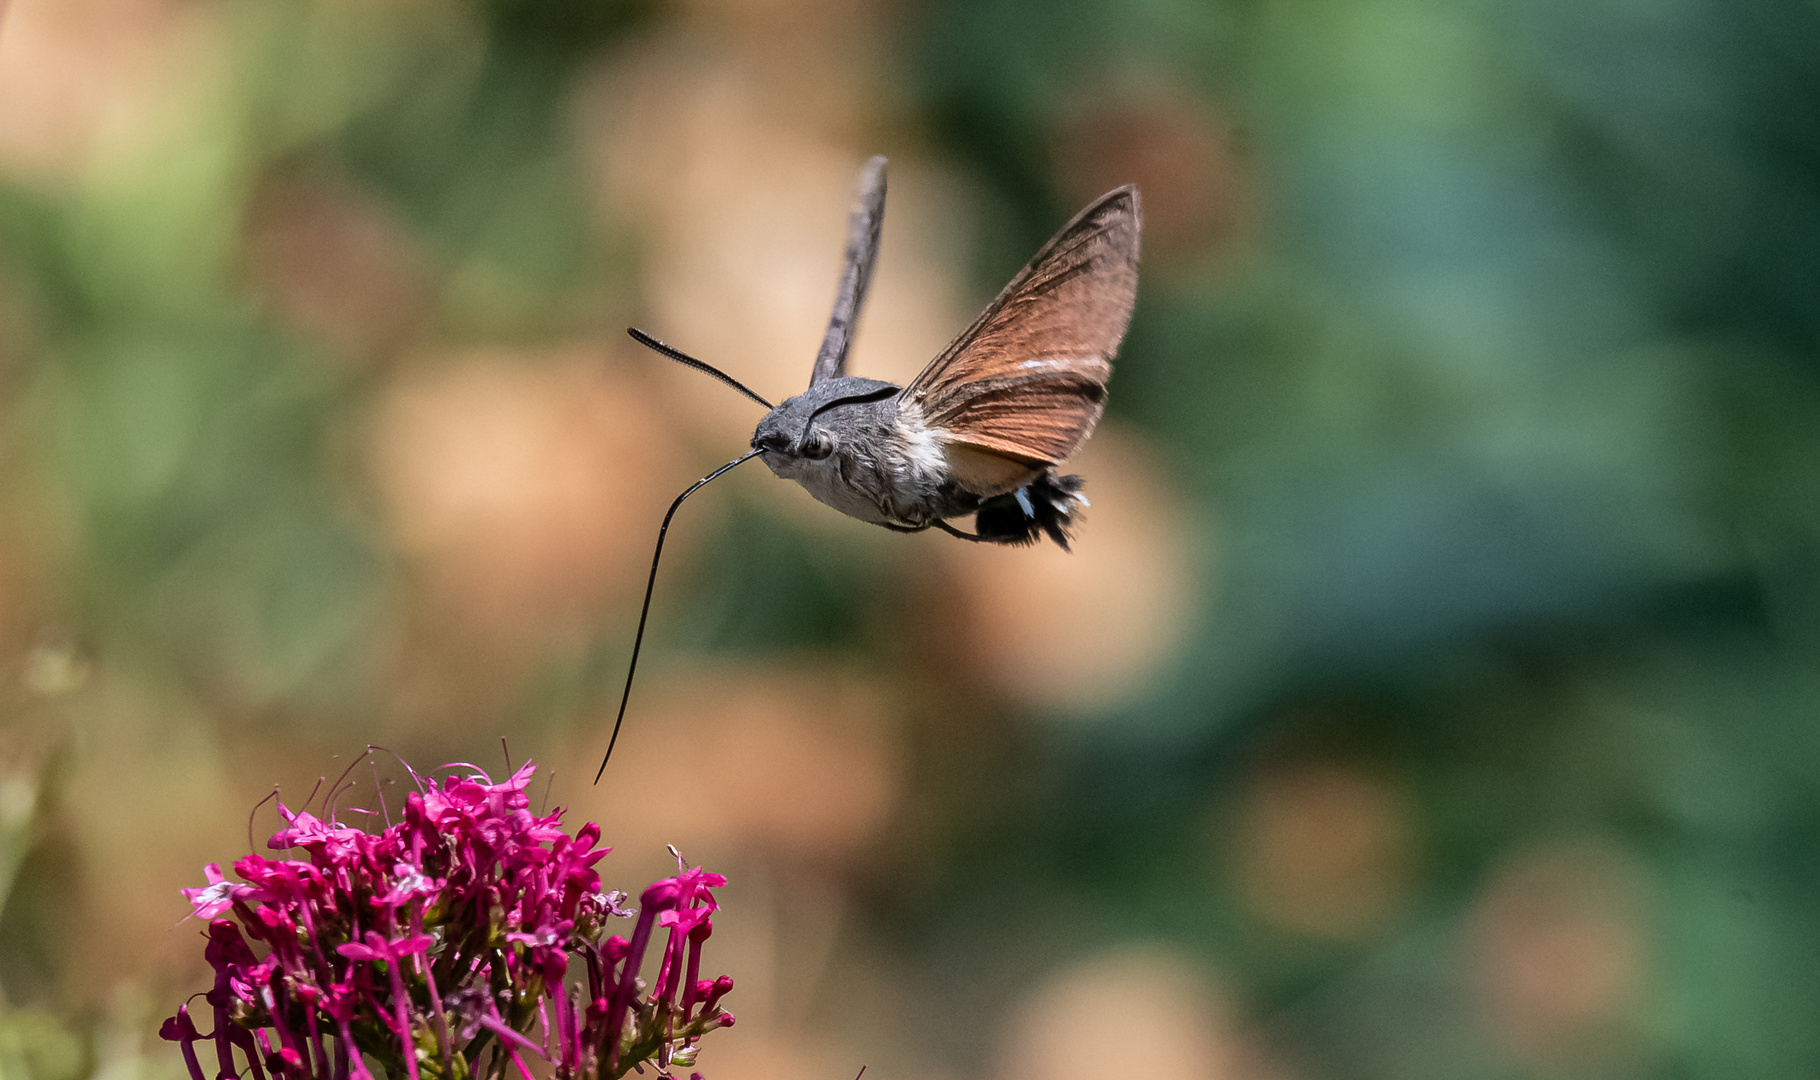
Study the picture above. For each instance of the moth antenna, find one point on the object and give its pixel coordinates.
(686, 360)
(644, 612)
(867, 397)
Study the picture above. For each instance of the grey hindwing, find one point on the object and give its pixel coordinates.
(864, 223)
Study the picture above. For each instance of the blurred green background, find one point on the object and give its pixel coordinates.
(1433, 691)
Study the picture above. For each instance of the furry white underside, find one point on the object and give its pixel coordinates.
(920, 459)
(822, 480)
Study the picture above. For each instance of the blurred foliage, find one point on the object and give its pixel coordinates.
(36, 1045)
(1509, 419)
(1478, 353)
(47, 1043)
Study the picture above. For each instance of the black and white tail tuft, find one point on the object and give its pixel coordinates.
(1049, 504)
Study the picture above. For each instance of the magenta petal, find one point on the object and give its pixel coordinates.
(335, 937)
(416, 943)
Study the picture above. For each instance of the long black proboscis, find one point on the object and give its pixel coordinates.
(644, 612)
(686, 360)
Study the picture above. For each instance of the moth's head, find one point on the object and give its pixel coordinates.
(811, 426)
(788, 436)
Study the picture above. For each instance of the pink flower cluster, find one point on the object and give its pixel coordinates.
(440, 947)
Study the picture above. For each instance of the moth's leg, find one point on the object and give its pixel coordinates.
(902, 528)
(952, 531)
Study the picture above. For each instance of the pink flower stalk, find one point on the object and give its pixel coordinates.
(440, 947)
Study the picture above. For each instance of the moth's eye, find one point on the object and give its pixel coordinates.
(818, 445)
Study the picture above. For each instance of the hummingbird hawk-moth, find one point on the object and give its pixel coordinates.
(982, 429)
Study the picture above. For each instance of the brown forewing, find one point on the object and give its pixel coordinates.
(1028, 378)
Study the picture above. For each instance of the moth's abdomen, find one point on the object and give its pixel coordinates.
(1050, 505)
